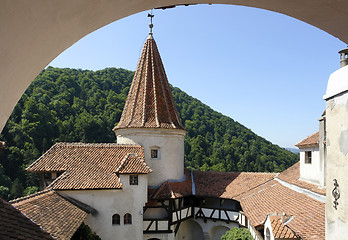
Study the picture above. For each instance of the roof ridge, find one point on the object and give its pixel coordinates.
(126, 159)
(301, 143)
(20, 199)
(120, 167)
(83, 206)
(265, 173)
(81, 144)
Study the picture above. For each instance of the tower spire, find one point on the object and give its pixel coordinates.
(150, 15)
(150, 102)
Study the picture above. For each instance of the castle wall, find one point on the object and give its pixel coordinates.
(130, 199)
(170, 146)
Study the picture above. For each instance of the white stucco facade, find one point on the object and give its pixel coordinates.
(169, 165)
(268, 231)
(130, 199)
(337, 154)
(311, 172)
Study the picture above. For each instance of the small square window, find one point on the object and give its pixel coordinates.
(154, 153)
(133, 180)
(308, 157)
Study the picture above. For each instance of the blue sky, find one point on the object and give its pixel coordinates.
(265, 70)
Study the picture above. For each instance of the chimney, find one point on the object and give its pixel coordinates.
(343, 57)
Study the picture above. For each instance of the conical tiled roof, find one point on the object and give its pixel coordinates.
(150, 102)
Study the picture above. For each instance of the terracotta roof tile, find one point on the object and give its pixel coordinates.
(310, 141)
(292, 175)
(272, 197)
(228, 184)
(175, 189)
(280, 230)
(213, 184)
(53, 213)
(14, 225)
(87, 166)
(150, 103)
(132, 163)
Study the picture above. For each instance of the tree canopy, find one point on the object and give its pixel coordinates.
(74, 105)
(237, 234)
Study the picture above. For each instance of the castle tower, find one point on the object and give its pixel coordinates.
(150, 118)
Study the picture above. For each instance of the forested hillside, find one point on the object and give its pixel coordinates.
(72, 105)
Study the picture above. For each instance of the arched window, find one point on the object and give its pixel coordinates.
(127, 218)
(116, 219)
(268, 234)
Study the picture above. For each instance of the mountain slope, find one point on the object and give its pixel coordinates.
(75, 105)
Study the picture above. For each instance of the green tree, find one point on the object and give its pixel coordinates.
(237, 234)
(84, 232)
(16, 189)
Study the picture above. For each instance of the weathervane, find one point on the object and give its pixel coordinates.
(150, 15)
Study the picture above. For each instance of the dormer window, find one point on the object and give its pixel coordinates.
(155, 152)
(308, 157)
(133, 180)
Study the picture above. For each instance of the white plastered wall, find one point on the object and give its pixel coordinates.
(311, 172)
(169, 142)
(337, 153)
(130, 199)
(268, 225)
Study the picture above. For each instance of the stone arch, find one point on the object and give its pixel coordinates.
(34, 33)
(216, 232)
(189, 229)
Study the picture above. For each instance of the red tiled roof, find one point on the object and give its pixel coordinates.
(175, 189)
(14, 225)
(280, 230)
(228, 184)
(310, 141)
(213, 184)
(292, 175)
(150, 103)
(86, 166)
(272, 197)
(133, 164)
(52, 212)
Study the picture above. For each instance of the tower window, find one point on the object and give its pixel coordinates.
(133, 180)
(127, 218)
(154, 153)
(116, 219)
(308, 157)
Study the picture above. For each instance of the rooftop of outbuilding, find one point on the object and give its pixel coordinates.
(17, 226)
(89, 165)
(54, 213)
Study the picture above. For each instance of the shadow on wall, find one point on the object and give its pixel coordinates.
(190, 229)
(217, 232)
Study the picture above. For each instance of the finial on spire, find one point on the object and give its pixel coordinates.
(150, 15)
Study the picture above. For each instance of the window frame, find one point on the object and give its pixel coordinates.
(308, 157)
(127, 219)
(133, 180)
(116, 219)
(156, 150)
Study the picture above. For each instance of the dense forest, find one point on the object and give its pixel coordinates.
(73, 105)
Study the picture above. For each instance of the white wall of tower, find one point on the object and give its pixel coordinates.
(170, 144)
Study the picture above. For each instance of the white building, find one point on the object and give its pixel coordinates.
(138, 188)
